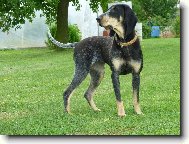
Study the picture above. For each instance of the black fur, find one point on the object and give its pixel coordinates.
(92, 53)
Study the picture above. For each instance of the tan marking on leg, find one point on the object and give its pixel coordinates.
(136, 104)
(93, 105)
(117, 62)
(68, 105)
(120, 107)
(91, 101)
(98, 67)
(135, 65)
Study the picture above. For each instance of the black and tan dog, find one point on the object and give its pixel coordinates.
(121, 51)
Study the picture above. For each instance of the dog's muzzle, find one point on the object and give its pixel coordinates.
(98, 19)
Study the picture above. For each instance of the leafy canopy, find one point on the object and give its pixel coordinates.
(13, 13)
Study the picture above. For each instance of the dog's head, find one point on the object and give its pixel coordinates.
(119, 19)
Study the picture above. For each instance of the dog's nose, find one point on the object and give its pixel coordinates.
(98, 19)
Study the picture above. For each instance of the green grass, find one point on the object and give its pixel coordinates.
(32, 82)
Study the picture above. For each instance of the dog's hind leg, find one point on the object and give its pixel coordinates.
(80, 75)
(136, 84)
(96, 73)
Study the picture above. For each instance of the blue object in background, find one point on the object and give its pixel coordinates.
(155, 31)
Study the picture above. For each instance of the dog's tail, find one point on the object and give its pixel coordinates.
(59, 44)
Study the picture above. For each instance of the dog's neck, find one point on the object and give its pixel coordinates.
(123, 37)
(130, 36)
(122, 34)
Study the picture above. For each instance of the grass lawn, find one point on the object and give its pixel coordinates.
(32, 82)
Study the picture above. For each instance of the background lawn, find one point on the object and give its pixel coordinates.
(32, 82)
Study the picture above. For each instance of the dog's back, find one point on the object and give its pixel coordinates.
(93, 49)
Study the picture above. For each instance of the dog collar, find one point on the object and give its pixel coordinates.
(122, 44)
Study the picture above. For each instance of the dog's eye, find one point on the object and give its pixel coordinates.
(114, 8)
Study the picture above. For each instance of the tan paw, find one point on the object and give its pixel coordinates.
(122, 115)
(120, 108)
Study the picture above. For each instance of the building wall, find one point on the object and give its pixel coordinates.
(85, 19)
(30, 35)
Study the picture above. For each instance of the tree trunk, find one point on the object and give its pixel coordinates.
(62, 21)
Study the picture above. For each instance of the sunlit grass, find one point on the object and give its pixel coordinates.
(32, 82)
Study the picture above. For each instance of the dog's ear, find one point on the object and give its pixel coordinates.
(130, 20)
(111, 33)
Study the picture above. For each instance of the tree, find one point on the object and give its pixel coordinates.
(13, 13)
(152, 8)
(164, 8)
(62, 21)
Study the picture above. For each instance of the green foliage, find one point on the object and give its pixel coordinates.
(104, 4)
(94, 4)
(145, 8)
(176, 26)
(153, 8)
(13, 13)
(32, 82)
(146, 30)
(74, 34)
(159, 21)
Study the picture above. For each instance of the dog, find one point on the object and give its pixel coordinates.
(121, 51)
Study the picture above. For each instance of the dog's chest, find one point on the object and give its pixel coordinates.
(124, 67)
(118, 63)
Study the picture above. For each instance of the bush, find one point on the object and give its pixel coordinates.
(155, 21)
(176, 26)
(146, 30)
(74, 34)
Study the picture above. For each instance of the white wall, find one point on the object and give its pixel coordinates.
(30, 35)
(85, 19)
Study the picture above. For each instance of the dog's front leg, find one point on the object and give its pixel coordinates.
(136, 84)
(116, 85)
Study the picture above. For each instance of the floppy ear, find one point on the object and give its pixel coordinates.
(130, 20)
(112, 33)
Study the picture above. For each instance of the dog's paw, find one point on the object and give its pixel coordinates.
(66, 111)
(139, 113)
(122, 115)
(121, 110)
(98, 110)
(138, 110)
